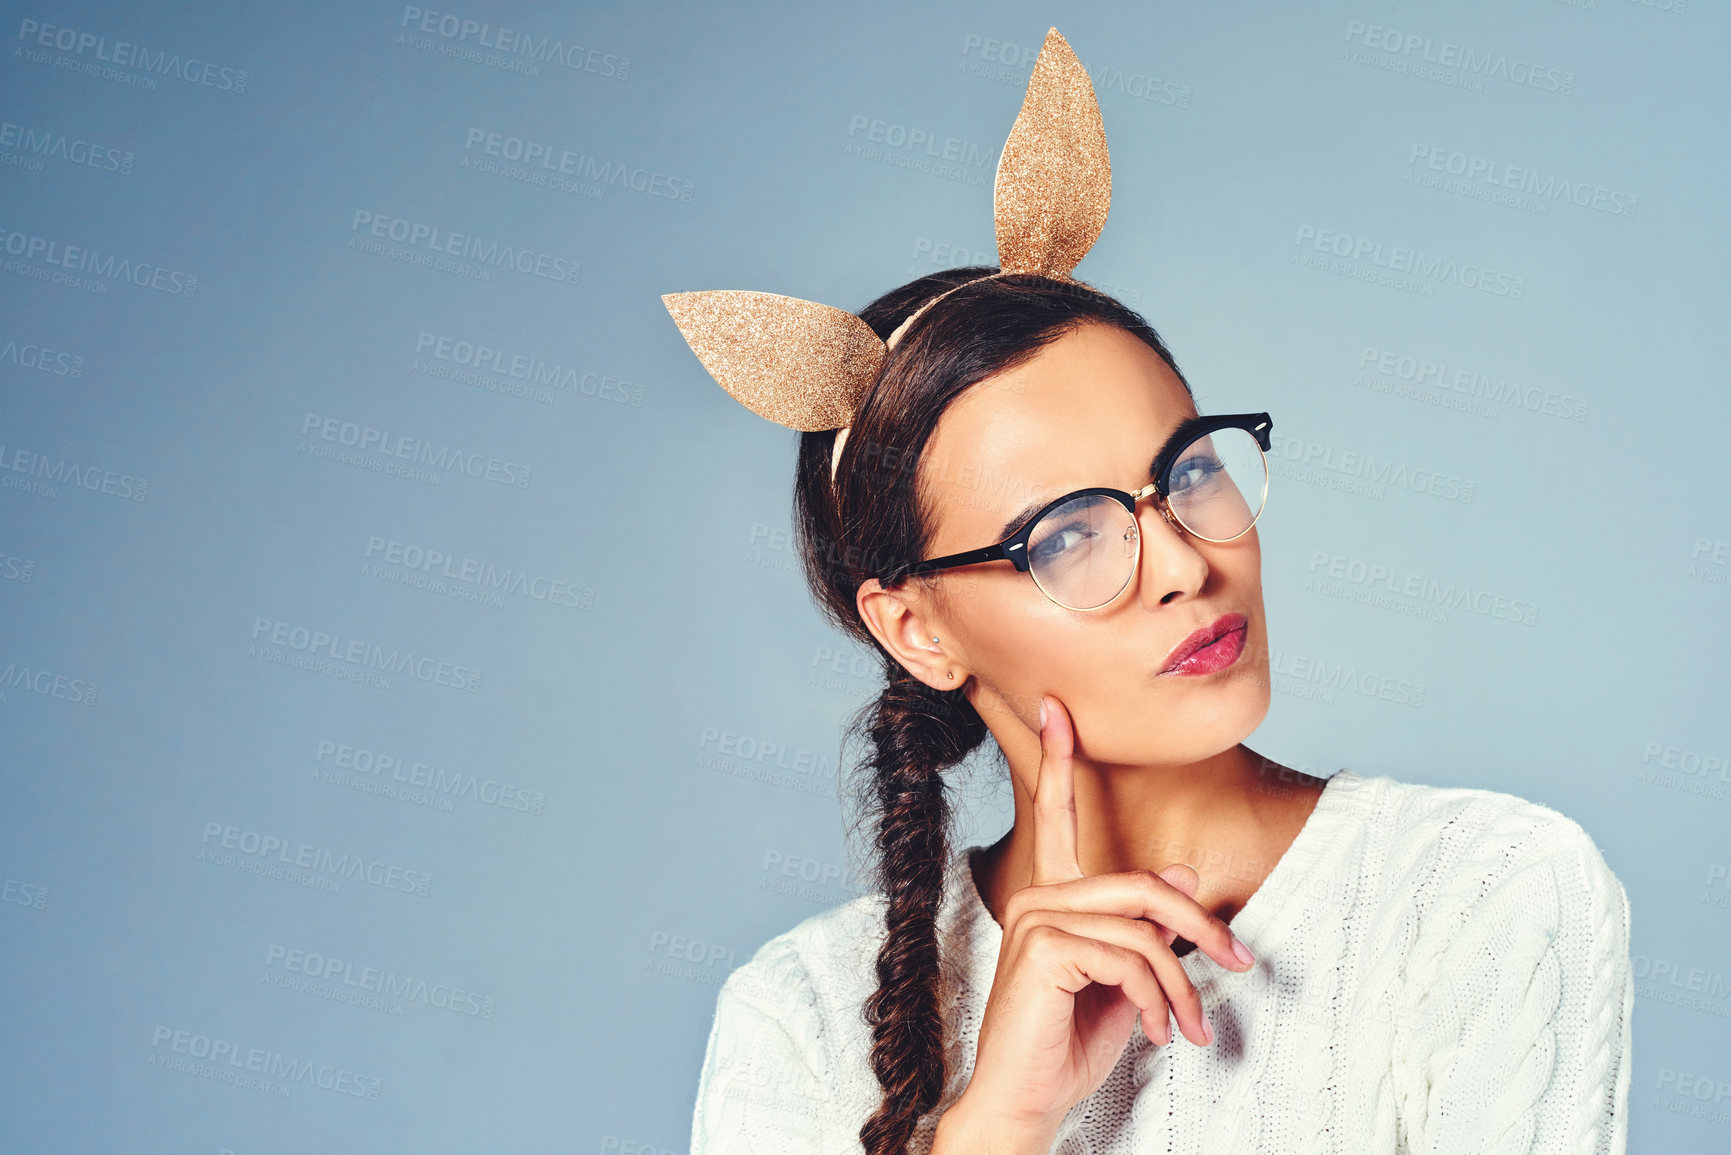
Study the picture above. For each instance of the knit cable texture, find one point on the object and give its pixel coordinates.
(1519, 1037)
(1440, 970)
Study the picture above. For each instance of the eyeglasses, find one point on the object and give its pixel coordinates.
(1210, 478)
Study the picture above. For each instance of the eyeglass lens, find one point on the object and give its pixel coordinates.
(1083, 552)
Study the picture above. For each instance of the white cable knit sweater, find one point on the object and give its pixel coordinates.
(1439, 970)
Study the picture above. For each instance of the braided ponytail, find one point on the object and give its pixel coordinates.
(916, 733)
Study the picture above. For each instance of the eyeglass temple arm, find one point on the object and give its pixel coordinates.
(1015, 551)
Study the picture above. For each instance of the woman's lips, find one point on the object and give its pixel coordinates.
(1210, 649)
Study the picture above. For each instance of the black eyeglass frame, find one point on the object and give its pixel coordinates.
(1015, 547)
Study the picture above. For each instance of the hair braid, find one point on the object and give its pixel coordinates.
(916, 733)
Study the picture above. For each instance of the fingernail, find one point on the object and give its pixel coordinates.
(1242, 951)
(1042, 715)
(1207, 1029)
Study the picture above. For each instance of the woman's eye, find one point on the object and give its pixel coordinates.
(1060, 541)
(1194, 471)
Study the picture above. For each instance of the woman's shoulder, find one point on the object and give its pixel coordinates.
(824, 967)
(1445, 849)
(815, 966)
(780, 1062)
(1461, 822)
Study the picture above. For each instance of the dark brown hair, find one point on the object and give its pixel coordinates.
(869, 523)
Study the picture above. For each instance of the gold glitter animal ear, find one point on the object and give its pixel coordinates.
(811, 367)
(1054, 180)
(800, 364)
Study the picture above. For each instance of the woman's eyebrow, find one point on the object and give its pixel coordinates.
(1022, 515)
(1172, 439)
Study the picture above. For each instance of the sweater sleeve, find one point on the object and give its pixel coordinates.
(1518, 1032)
(761, 1090)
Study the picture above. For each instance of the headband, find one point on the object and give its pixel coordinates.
(811, 367)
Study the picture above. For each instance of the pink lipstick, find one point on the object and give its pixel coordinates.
(1210, 649)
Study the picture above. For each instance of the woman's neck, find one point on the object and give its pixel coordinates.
(1230, 817)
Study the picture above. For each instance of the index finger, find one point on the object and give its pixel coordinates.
(1054, 817)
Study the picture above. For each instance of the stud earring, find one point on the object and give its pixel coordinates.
(952, 673)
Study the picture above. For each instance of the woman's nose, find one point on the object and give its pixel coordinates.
(1168, 565)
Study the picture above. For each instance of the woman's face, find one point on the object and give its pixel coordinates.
(1091, 409)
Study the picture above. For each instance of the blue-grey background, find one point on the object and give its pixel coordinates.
(420, 800)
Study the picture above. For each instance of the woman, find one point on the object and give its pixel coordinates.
(1356, 964)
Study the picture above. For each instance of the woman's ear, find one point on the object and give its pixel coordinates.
(904, 623)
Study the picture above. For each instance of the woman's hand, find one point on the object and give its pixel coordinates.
(1082, 957)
